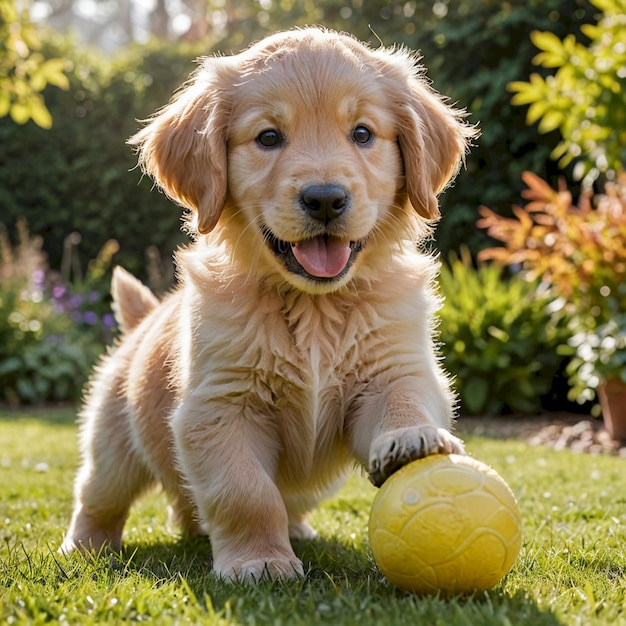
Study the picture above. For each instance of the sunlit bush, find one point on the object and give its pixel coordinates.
(499, 339)
(579, 250)
(24, 71)
(585, 98)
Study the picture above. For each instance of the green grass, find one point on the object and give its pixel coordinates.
(572, 568)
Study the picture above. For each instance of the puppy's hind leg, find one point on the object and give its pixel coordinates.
(111, 477)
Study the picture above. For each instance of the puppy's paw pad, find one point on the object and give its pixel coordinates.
(394, 449)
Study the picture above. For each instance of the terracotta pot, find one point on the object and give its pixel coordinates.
(612, 396)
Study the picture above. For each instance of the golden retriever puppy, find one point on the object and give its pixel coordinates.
(299, 339)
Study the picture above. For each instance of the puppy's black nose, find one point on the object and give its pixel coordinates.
(324, 202)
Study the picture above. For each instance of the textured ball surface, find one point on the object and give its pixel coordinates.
(445, 523)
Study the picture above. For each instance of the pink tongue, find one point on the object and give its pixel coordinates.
(322, 257)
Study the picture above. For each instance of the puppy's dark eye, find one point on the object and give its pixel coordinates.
(362, 135)
(270, 138)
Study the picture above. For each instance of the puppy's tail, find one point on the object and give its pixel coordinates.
(132, 300)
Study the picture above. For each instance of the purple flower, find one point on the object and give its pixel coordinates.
(76, 300)
(90, 318)
(39, 278)
(93, 296)
(109, 321)
(58, 292)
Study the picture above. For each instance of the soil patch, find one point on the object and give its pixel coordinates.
(559, 431)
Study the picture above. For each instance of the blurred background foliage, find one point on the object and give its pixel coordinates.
(500, 339)
(73, 202)
(79, 175)
(584, 98)
(24, 71)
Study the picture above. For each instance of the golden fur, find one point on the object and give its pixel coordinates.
(299, 338)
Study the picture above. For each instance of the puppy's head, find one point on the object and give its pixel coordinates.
(314, 149)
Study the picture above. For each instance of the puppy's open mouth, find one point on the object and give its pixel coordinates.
(322, 258)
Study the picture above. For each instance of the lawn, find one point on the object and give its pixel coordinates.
(572, 568)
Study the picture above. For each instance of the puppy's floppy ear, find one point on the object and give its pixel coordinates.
(183, 146)
(433, 139)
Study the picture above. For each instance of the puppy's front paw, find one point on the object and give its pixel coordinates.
(254, 570)
(393, 449)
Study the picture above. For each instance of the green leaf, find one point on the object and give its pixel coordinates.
(10, 365)
(549, 59)
(551, 120)
(475, 394)
(560, 150)
(53, 72)
(590, 30)
(608, 6)
(499, 334)
(37, 81)
(529, 92)
(39, 113)
(26, 390)
(20, 112)
(535, 111)
(546, 41)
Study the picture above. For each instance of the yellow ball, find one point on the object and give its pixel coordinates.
(445, 523)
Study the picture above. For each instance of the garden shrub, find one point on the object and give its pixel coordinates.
(50, 333)
(499, 339)
(585, 97)
(578, 250)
